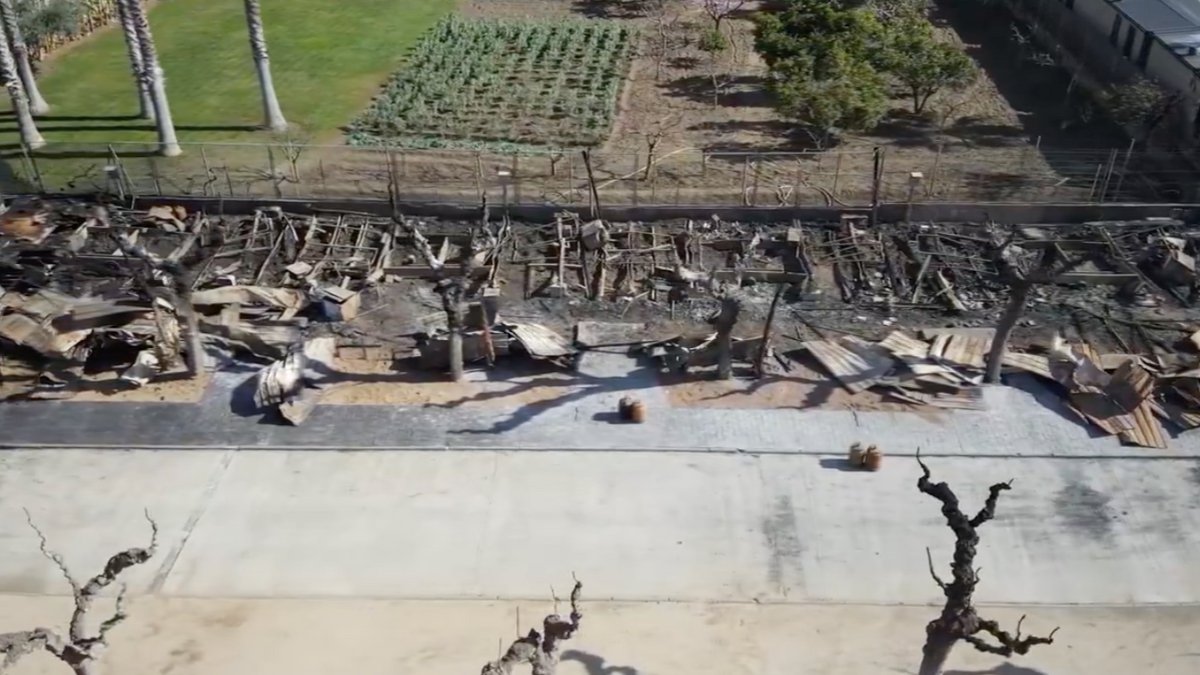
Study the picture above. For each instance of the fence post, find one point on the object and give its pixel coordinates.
(516, 181)
(1112, 165)
(393, 180)
(37, 172)
(122, 176)
(746, 180)
(273, 172)
(876, 179)
(931, 184)
(321, 170)
(1095, 182)
(837, 173)
(800, 178)
(154, 175)
(754, 189)
(208, 172)
(570, 177)
(634, 175)
(1124, 168)
(479, 175)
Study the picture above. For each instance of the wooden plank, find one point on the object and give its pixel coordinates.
(1147, 431)
(903, 345)
(856, 368)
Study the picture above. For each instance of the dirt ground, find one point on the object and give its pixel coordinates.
(1002, 139)
(203, 636)
(15, 379)
(387, 382)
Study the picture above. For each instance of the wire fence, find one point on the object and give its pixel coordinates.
(847, 177)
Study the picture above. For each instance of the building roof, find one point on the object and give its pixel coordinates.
(1175, 22)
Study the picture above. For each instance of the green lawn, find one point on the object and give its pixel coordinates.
(328, 58)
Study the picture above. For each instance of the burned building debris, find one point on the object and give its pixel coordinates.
(907, 310)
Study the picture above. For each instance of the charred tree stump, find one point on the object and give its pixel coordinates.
(79, 650)
(541, 650)
(959, 620)
(453, 288)
(1049, 268)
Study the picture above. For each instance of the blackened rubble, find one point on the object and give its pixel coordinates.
(906, 309)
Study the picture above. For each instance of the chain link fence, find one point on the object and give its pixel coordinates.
(849, 177)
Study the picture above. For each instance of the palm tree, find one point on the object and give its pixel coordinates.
(258, 47)
(30, 136)
(152, 76)
(134, 49)
(37, 104)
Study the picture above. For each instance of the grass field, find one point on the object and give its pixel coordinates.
(328, 59)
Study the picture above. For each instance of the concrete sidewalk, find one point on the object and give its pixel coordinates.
(172, 636)
(1028, 420)
(636, 526)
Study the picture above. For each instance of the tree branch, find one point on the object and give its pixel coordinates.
(989, 507)
(932, 572)
(51, 555)
(1009, 644)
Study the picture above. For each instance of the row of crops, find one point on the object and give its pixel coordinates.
(502, 84)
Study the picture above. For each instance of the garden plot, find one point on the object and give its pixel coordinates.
(503, 84)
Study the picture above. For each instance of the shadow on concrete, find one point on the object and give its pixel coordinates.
(596, 665)
(1051, 397)
(838, 464)
(1002, 669)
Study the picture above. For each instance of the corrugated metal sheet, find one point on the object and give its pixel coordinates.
(856, 364)
(540, 341)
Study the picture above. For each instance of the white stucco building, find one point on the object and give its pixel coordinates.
(1158, 37)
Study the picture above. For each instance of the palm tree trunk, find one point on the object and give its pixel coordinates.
(37, 104)
(12, 81)
(272, 113)
(152, 76)
(133, 48)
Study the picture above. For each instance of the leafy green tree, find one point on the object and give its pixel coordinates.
(923, 64)
(818, 28)
(1139, 106)
(843, 94)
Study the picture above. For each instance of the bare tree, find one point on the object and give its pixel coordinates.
(1049, 268)
(720, 10)
(959, 620)
(133, 47)
(78, 649)
(541, 650)
(653, 133)
(154, 80)
(453, 287)
(12, 27)
(666, 38)
(30, 136)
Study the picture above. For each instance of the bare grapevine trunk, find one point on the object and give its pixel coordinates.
(272, 113)
(30, 136)
(1018, 296)
(37, 104)
(935, 653)
(152, 76)
(133, 48)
